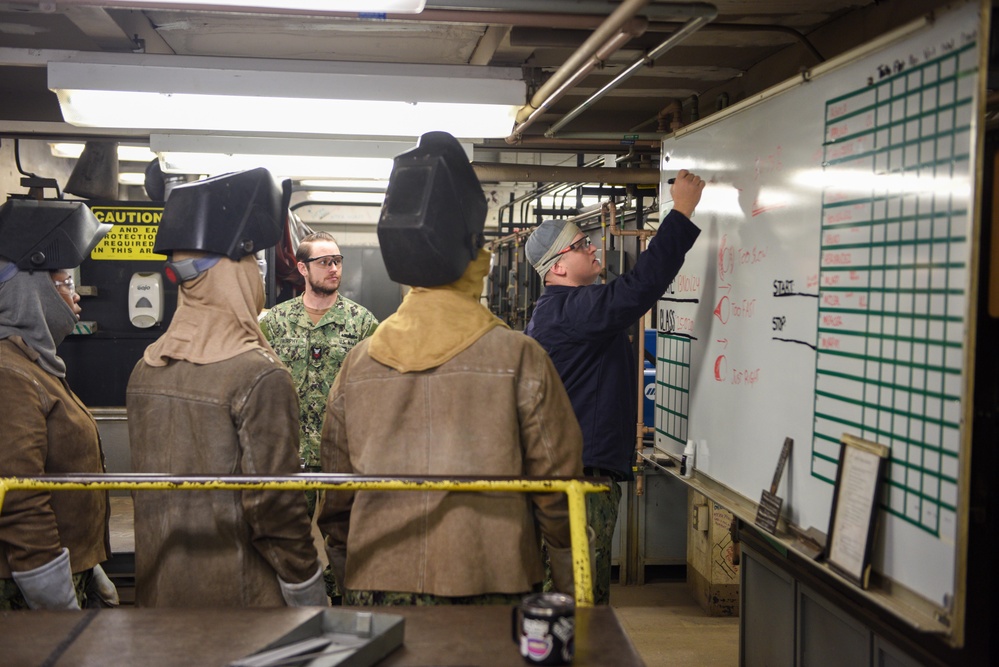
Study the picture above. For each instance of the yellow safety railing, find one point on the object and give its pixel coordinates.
(576, 490)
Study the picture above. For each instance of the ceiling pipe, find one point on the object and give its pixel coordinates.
(655, 11)
(749, 27)
(493, 172)
(568, 75)
(533, 19)
(688, 29)
(591, 141)
(595, 61)
(533, 36)
(582, 59)
(668, 118)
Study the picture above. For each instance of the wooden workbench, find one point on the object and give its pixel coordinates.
(436, 636)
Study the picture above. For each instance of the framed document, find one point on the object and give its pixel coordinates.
(854, 508)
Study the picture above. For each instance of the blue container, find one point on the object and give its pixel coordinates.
(649, 409)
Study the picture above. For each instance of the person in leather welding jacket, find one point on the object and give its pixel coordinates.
(457, 394)
(210, 397)
(52, 543)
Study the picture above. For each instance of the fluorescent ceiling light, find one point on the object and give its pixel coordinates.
(318, 6)
(283, 157)
(281, 166)
(73, 149)
(301, 97)
(131, 178)
(346, 197)
(340, 185)
(264, 145)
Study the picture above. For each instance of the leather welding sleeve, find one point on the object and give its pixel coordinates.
(334, 513)
(267, 423)
(28, 525)
(551, 439)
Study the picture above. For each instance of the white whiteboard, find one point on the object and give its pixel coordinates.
(829, 292)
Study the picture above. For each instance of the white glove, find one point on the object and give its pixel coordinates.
(101, 584)
(309, 593)
(49, 586)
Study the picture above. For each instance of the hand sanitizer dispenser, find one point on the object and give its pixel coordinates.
(145, 300)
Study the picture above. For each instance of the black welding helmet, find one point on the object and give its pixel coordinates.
(48, 235)
(233, 215)
(431, 222)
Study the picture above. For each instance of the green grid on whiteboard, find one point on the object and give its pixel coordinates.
(672, 387)
(892, 279)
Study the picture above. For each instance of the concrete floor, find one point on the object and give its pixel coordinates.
(669, 629)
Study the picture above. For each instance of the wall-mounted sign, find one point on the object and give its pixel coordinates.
(133, 234)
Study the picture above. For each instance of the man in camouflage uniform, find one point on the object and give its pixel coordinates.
(312, 333)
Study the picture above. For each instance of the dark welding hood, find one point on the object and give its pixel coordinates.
(48, 235)
(431, 222)
(233, 215)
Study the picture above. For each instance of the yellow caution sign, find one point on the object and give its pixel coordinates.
(133, 235)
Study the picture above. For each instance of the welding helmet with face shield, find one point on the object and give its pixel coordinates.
(48, 235)
(232, 216)
(431, 222)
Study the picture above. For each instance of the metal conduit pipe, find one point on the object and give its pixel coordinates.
(534, 19)
(700, 13)
(593, 63)
(688, 29)
(672, 112)
(606, 32)
(609, 210)
(548, 189)
(655, 10)
(488, 172)
(746, 27)
(595, 141)
(545, 37)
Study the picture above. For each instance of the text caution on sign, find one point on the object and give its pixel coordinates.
(133, 235)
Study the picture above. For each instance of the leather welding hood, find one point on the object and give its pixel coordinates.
(233, 215)
(48, 235)
(431, 222)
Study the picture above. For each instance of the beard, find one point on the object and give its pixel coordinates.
(322, 287)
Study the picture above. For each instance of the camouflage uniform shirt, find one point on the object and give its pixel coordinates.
(313, 354)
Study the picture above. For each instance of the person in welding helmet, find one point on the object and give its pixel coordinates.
(52, 543)
(457, 393)
(210, 397)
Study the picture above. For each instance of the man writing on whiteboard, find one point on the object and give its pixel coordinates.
(583, 328)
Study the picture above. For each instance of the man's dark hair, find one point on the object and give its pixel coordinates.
(305, 245)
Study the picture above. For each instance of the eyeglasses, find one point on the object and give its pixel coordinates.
(326, 261)
(67, 286)
(581, 244)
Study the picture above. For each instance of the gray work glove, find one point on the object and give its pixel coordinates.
(102, 586)
(49, 586)
(309, 593)
(561, 564)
